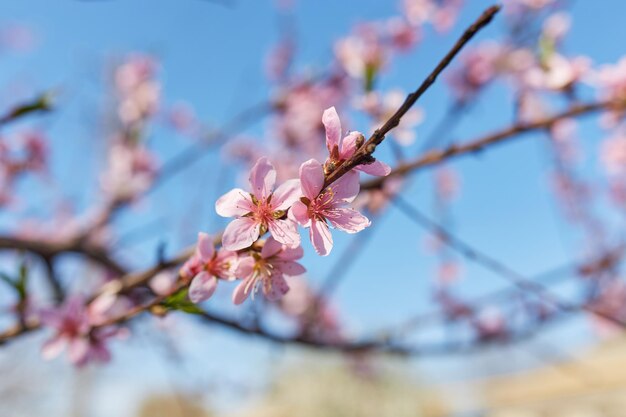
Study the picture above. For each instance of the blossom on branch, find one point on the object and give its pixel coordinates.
(206, 266)
(262, 210)
(321, 206)
(267, 269)
(341, 150)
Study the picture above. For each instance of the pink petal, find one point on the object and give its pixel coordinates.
(205, 247)
(275, 287)
(236, 202)
(299, 213)
(240, 234)
(311, 178)
(288, 193)
(331, 122)
(348, 220)
(348, 145)
(53, 347)
(262, 178)
(245, 267)
(202, 287)
(271, 248)
(240, 294)
(285, 231)
(377, 168)
(346, 188)
(78, 351)
(321, 237)
(290, 254)
(290, 268)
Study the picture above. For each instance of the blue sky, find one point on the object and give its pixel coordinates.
(212, 56)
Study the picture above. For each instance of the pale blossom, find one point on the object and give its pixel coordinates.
(320, 207)
(342, 149)
(267, 269)
(262, 210)
(206, 266)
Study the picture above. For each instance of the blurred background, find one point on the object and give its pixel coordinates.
(437, 274)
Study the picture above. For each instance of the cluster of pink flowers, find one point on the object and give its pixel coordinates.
(75, 325)
(304, 201)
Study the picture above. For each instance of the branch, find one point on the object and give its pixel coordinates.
(363, 155)
(438, 156)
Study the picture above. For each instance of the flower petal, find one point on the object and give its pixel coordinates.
(347, 187)
(241, 292)
(236, 202)
(275, 287)
(240, 234)
(331, 122)
(78, 351)
(285, 231)
(271, 248)
(202, 287)
(288, 193)
(290, 268)
(348, 220)
(348, 144)
(377, 168)
(53, 347)
(299, 213)
(262, 178)
(321, 237)
(205, 247)
(311, 178)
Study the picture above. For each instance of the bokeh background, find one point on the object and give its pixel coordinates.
(211, 57)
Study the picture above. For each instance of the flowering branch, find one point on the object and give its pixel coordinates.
(363, 155)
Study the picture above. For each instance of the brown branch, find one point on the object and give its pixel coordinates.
(48, 249)
(438, 156)
(363, 155)
(519, 280)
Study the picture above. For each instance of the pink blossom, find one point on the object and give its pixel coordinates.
(318, 208)
(557, 72)
(261, 210)
(206, 266)
(267, 269)
(613, 154)
(73, 323)
(131, 170)
(340, 150)
(402, 35)
(363, 53)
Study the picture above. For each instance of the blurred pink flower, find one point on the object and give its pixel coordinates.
(316, 209)
(73, 322)
(267, 269)
(260, 211)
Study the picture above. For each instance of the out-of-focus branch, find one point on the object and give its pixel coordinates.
(476, 145)
(519, 280)
(49, 249)
(41, 104)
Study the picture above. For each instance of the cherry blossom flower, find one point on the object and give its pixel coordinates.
(613, 154)
(131, 170)
(73, 322)
(206, 266)
(262, 210)
(340, 150)
(557, 72)
(363, 53)
(318, 208)
(267, 269)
